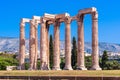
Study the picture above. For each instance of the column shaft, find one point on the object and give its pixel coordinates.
(47, 44)
(67, 45)
(36, 46)
(32, 44)
(80, 55)
(43, 50)
(22, 47)
(56, 54)
(95, 53)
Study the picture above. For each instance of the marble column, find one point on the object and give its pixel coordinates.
(22, 46)
(32, 44)
(56, 53)
(47, 43)
(43, 47)
(36, 45)
(95, 53)
(67, 45)
(80, 55)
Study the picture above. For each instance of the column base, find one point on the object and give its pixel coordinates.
(56, 68)
(95, 68)
(35, 68)
(48, 68)
(44, 68)
(30, 69)
(20, 68)
(81, 68)
(67, 68)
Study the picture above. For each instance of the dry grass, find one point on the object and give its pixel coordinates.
(110, 73)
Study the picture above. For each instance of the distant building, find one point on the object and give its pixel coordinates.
(113, 56)
(62, 53)
(87, 54)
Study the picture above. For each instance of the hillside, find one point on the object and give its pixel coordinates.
(12, 45)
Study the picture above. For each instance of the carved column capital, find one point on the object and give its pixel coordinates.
(95, 15)
(80, 18)
(56, 22)
(43, 20)
(22, 24)
(32, 22)
(36, 23)
(67, 20)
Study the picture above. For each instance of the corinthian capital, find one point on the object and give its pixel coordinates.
(37, 22)
(80, 18)
(56, 22)
(95, 15)
(67, 20)
(32, 22)
(43, 20)
(22, 24)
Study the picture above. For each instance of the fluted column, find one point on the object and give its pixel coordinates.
(95, 53)
(56, 54)
(43, 47)
(47, 44)
(22, 46)
(80, 55)
(36, 45)
(67, 45)
(32, 44)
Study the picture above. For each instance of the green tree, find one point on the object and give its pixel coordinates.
(88, 62)
(51, 51)
(104, 59)
(38, 64)
(112, 65)
(26, 66)
(7, 60)
(74, 53)
(62, 63)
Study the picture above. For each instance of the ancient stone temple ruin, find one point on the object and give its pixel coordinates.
(56, 19)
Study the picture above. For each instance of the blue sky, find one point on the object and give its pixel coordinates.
(11, 11)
